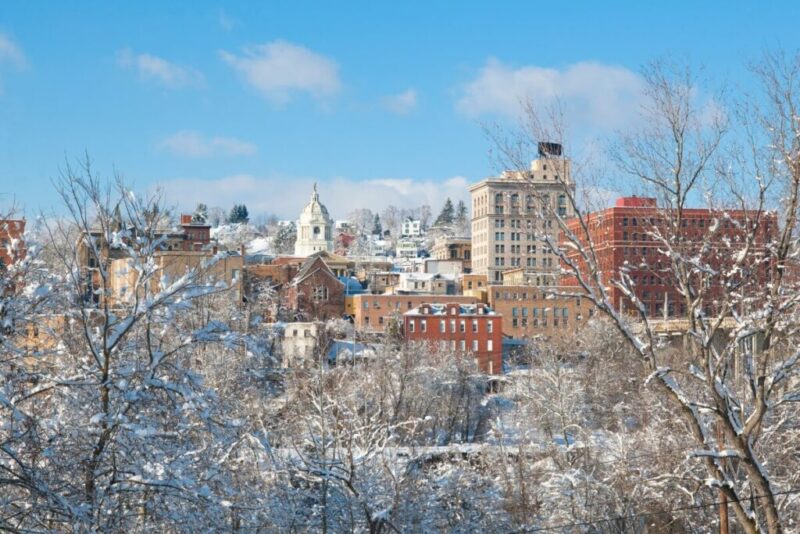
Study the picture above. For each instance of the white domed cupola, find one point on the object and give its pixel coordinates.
(314, 228)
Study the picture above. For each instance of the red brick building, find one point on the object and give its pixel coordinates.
(469, 329)
(195, 234)
(12, 247)
(624, 238)
(371, 313)
(315, 293)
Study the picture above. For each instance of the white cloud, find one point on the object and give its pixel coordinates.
(402, 103)
(280, 69)
(191, 144)
(155, 69)
(592, 94)
(10, 52)
(340, 195)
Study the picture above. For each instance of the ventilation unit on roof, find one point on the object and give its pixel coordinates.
(549, 149)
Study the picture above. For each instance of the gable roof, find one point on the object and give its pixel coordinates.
(314, 264)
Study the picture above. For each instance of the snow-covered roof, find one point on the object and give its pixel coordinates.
(442, 309)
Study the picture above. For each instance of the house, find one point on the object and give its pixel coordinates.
(299, 344)
(411, 228)
(473, 330)
(316, 292)
(406, 248)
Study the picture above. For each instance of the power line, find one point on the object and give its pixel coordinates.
(595, 521)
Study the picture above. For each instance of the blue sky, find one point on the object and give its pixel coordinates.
(380, 102)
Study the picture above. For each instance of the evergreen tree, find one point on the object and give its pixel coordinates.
(238, 214)
(446, 215)
(377, 229)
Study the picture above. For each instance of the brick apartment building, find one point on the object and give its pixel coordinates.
(528, 311)
(623, 236)
(468, 329)
(371, 313)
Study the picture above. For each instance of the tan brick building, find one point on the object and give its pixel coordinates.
(454, 248)
(528, 311)
(512, 212)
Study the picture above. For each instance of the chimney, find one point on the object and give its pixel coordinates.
(186, 219)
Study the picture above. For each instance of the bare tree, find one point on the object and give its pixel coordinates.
(738, 298)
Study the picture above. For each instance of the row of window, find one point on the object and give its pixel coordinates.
(523, 295)
(537, 312)
(462, 345)
(461, 325)
(543, 323)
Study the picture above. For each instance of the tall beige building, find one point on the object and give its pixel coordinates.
(512, 212)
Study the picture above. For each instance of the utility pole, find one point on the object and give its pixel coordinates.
(723, 501)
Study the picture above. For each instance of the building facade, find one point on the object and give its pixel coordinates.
(531, 312)
(371, 313)
(512, 213)
(314, 228)
(473, 330)
(454, 248)
(316, 293)
(623, 237)
(411, 228)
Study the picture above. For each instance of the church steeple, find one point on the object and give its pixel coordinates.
(314, 228)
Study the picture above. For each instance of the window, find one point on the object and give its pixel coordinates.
(442, 326)
(489, 345)
(474, 326)
(490, 326)
(423, 325)
(474, 345)
(320, 293)
(411, 325)
(452, 326)
(463, 326)
(462, 345)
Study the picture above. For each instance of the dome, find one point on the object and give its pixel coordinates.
(315, 210)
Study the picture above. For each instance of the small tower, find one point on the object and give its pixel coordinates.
(314, 228)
